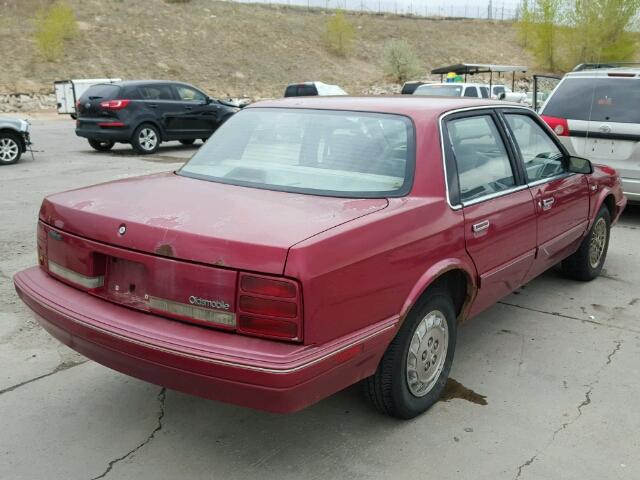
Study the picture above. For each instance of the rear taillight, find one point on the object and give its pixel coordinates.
(114, 104)
(559, 125)
(269, 307)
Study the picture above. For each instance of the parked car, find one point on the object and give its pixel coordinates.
(409, 87)
(595, 113)
(14, 139)
(314, 243)
(475, 90)
(311, 89)
(69, 91)
(146, 113)
(503, 92)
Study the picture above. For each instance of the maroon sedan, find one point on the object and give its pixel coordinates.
(314, 243)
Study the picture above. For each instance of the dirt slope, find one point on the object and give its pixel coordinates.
(233, 49)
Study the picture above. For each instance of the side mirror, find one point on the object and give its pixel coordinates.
(208, 101)
(580, 165)
(502, 96)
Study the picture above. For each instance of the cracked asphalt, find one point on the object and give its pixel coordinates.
(557, 364)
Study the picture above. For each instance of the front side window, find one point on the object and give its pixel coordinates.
(482, 161)
(187, 94)
(322, 152)
(541, 156)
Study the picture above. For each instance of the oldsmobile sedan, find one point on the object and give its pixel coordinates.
(314, 243)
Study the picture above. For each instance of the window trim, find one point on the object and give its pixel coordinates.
(451, 168)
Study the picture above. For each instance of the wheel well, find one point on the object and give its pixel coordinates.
(610, 203)
(457, 283)
(15, 133)
(155, 125)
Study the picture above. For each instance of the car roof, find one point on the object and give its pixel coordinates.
(462, 84)
(136, 83)
(605, 72)
(408, 105)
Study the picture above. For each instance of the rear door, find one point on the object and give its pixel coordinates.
(499, 213)
(561, 198)
(159, 101)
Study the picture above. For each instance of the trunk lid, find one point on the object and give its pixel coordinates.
(194, 220)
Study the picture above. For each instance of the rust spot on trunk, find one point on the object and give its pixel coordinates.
(165, 250)
(454, 389)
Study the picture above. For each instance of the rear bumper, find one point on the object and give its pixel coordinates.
(631, 189)
(250, 372)
(108, 134)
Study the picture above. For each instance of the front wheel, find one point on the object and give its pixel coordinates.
(146, 139)
(414, 369)
(10, 149)
(587, 262)
(100, 145)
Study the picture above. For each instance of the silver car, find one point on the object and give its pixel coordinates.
(14, 139)
(595, 113)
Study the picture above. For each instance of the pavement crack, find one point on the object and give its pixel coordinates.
(161, 400)
(562, 315)
(584, 403)
(60, 368)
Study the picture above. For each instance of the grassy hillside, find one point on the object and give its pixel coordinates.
(233, 49)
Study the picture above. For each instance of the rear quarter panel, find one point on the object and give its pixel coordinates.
(375, 267)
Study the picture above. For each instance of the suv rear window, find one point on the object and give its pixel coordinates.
(596, 99)
(301, 91)
(101, 92)
(321, 152)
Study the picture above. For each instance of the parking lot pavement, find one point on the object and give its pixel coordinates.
(546, 382)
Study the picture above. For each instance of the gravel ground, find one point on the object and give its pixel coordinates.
(546, 386)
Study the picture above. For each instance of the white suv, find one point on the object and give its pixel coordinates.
(473, 90)
(596, 114)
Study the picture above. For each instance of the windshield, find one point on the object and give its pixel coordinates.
(452, 90)
(596, 99)
(323, 152)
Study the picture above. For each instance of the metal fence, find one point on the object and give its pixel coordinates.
(493, 9)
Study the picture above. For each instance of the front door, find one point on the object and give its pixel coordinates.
(499, 213)
(196, 117)
(561, 197)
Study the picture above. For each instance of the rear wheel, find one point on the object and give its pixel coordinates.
(188, 141)
(586, 264)
(414, 369)
(10, 148)
(146, 139)
(100, 145)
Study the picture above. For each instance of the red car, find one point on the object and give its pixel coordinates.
(314, 243)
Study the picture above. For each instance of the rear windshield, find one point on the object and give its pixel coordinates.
(439, 90)
(301, 91)
(596, 99)
(101, 92)
(322, 152)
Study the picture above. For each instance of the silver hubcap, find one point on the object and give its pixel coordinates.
(427, 353)
(9, 149)
(597, 242)
(147, 139)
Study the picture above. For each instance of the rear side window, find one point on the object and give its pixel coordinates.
(101, 92)
(301, 91)
(541, 156)
(481, 157)
(156, 92)
(607, 99)
(471, 92)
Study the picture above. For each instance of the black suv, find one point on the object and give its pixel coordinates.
(146, 113)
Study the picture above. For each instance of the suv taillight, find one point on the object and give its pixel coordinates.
(269, 307)
(559, 125)
(114, 104)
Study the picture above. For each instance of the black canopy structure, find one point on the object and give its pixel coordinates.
(475, 68)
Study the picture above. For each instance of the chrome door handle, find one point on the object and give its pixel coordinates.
(479, 227)
(547, 203)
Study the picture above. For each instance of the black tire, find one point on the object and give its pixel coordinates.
(11, 148)
(188, 141)
(100, 145)
(149, 131)
(581, 265)
(388, 389)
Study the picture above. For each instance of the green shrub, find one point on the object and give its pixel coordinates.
(54, 25)
(340, 34)
(400, 60)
